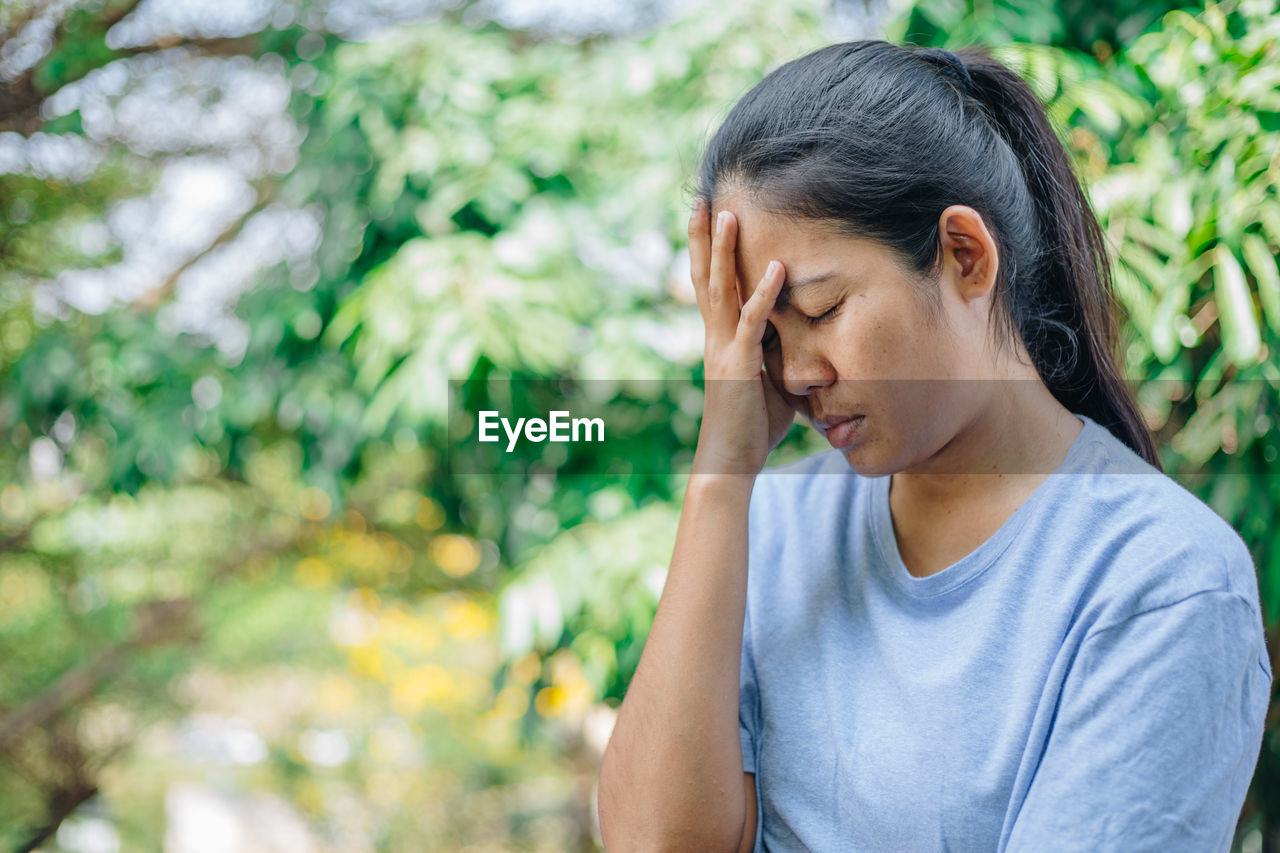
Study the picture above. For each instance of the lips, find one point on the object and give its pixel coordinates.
(825, 423)
(841, 431)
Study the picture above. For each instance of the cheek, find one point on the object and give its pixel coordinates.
(868, 345)
(898, 339)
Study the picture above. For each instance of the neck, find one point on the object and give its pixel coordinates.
(1013, 442)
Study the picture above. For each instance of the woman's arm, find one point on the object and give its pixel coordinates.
(672, 776)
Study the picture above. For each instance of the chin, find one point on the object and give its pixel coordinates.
(866, 463)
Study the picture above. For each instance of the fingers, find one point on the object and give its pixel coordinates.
(754, 318)
(713, 269)
(722, 286)
(700, 254)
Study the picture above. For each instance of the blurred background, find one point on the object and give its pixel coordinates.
(244, 245)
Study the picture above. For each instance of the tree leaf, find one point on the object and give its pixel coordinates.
(1240, 335)
(1262, 263)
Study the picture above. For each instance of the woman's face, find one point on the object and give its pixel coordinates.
(852, 335)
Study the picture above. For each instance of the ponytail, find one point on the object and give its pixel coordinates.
(1068, 320)
(882, 139)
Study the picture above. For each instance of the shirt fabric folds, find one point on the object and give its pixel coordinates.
(1092, 677)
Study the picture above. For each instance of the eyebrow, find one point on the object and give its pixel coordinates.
(791, 286)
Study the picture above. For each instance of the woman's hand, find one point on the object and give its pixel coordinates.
(744, 416)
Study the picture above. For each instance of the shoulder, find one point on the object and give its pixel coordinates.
(1156, 542)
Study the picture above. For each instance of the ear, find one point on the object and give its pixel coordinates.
(968, 251)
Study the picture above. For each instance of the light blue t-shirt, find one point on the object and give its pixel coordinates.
(1093, 677)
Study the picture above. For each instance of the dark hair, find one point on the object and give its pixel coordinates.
(877, 140)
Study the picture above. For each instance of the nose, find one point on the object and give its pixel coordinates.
(802, 369)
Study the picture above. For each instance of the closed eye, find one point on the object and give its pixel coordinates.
(770, 339)
(824, 316)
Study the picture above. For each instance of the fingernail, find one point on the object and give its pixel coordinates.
(698, 204)
(771, 270)
(720, 220)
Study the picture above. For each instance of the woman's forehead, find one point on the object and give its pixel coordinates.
(805, 247)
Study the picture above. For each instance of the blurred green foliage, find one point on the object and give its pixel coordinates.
(247, 574)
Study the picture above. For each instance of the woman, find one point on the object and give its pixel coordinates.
(984, 620)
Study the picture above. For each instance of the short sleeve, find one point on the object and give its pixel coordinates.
(748, 700)
(1156, 734)
(762, 542)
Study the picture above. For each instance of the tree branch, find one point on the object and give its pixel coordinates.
(64, 806)
(15, 27)
(72, 687)
(20, 98)
(158, 294)
(200, 46)
(14, 541)
(155, 622)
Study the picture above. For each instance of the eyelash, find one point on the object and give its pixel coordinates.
(823, 317)
(771, 334)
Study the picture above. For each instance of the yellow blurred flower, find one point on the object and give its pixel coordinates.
(361, 551)
(420, 638)
(464, 619)
(313, 572)
(455, 555)
(369, 661)
(550, 701)
(570, 694)
(429, 685)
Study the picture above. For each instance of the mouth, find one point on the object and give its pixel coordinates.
(826, 422)
(841, 431)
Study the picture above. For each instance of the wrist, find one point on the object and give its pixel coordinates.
(708, 463)
(719, 484)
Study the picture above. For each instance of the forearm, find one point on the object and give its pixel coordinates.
(672, 774)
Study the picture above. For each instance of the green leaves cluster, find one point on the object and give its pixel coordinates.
(495, 209)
